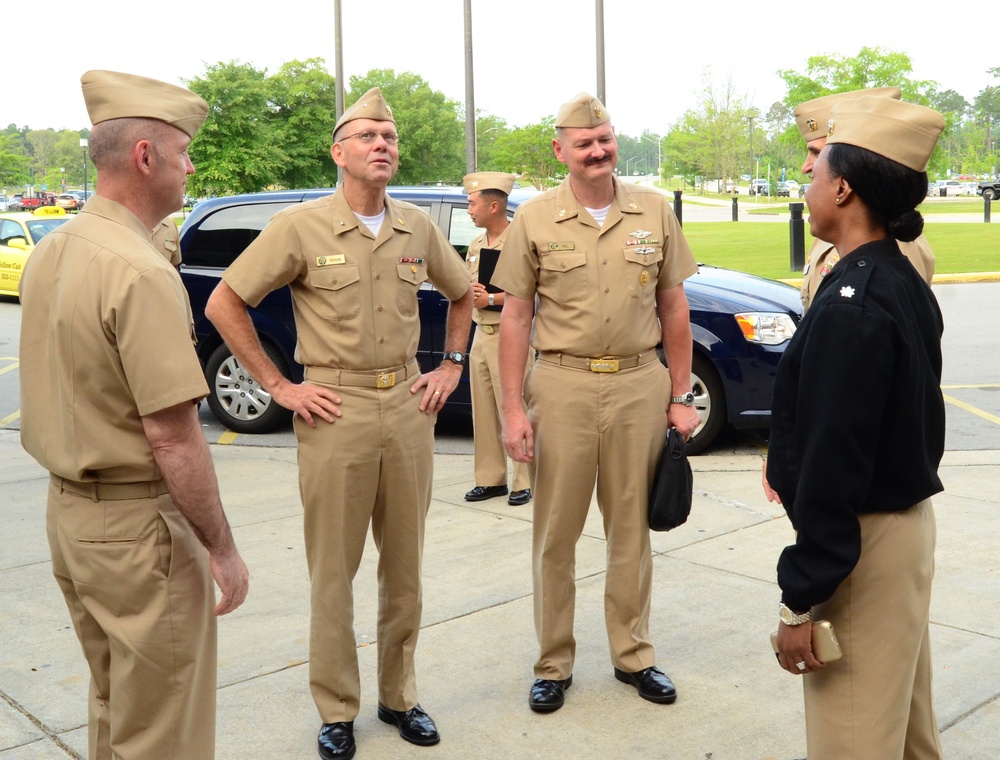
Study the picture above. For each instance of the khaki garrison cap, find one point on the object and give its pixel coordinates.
(113, 95)
(371, 105)
(488, 181)
(813, 117)
(902, 132)
(584, 111)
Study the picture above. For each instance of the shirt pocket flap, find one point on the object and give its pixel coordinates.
(334, 278)
(412, 273)
(644, 255)
(562, 261)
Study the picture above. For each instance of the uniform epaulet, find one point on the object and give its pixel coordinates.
(850, 286)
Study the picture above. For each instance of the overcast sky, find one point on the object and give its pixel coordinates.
(530, 55)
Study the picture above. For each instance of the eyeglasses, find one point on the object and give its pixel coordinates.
(370, 136)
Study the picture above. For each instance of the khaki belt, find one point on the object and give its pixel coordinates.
(95, 491)
(489, 329)
(599, 364)
(375, 378)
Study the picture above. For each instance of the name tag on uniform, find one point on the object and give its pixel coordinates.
(325, 261)
(565, 246)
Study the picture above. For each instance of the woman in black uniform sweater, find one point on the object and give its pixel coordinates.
(857, 432)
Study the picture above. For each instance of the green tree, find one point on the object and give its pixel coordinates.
(527, 151)
(238, 149)
(304, 104)
(712, 140)
(13, 161)
(489, 129)
(431, 131)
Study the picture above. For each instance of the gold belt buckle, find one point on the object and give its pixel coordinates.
(603, 365)
(385, 380)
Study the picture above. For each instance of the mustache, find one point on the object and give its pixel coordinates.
(595, 161)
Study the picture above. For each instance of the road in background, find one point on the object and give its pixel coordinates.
(971, 382)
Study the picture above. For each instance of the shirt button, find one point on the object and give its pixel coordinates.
(380, 308)
(605, 262)
(381, 340)
(608, 319)
(378, 277)
(607, 290)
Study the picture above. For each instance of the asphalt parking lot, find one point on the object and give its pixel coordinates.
(714, 603)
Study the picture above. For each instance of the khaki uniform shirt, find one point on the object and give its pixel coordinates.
(165, 241)
(105, 339)
(596, 286)
(823, 255)
(354, 296)
(485, 316)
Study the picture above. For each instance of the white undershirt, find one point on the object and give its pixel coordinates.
(599, 214)
(373, 223)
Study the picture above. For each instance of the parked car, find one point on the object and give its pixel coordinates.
(81, 196)
(760, 187)
(802, 189)
(989, 189)
(19, 234)
(946, 187)
(785, 189)
(740, 323)
(68, 202)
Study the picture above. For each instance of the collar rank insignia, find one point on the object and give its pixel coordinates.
(847, 291)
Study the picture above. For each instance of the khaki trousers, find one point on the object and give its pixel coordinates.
(487, 415)
(372, 466)
(604, 429)
(140, 594)
(875, 703)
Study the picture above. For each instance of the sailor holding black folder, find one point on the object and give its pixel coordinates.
(488, 193)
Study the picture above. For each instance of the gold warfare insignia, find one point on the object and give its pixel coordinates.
(567, 246)
(644, 278)
(325, 261)
(811, 125)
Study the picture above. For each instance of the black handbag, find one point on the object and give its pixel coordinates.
(673, 485)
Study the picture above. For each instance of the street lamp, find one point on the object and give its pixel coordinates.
(659, 155)
(83, 144)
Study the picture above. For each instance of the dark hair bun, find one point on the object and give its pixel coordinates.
(906, 226)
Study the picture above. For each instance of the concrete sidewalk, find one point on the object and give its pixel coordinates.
(715, 602)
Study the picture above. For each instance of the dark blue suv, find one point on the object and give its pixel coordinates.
(740, 323)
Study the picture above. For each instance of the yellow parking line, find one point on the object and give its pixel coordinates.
(966, 387)
(969, 408)
(10, 418)
(15, 365)
(228, 437)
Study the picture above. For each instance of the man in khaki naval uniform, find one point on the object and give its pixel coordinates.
(812, 118)
(109, 378)
(166, 242)
(488, 193)
(354, 262)
(604, 262)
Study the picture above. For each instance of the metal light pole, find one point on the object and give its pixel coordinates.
(601, 94)
(471, 152)
(338, 87)
(83, 144)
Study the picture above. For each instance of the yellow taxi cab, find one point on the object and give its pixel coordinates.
(20, 232)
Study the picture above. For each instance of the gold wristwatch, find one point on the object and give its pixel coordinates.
(790, 617)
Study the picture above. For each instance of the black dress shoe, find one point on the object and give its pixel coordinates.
(336, 741)
(481, 493)
(414, 725)
(519, 498)
(548, 695)
(652, 684)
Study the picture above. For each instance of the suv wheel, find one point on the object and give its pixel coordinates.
(989, 194)
(709, 400)
(237, 400)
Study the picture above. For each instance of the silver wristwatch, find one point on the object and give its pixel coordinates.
(687, 399)
(490, 300)
(789, 617)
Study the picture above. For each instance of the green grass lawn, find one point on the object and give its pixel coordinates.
(763, 249)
